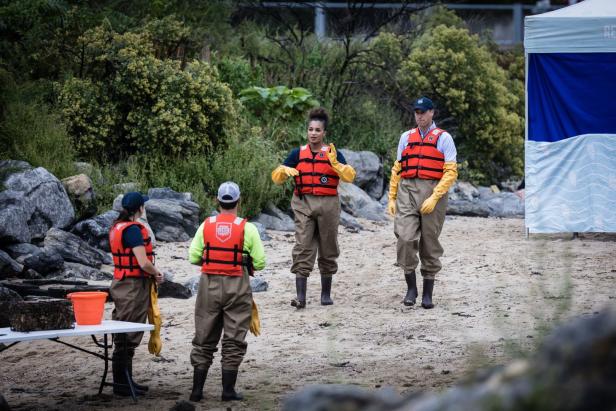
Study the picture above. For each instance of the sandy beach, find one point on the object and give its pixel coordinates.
(497, 295)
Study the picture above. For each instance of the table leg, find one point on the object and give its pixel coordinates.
(100, 389)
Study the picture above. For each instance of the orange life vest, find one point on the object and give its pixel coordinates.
(124, 261)
(223, 237)
(420, 158)
(316, 175)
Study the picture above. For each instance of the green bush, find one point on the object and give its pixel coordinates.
(238, 73)
(249, 164)
(470, 89)
(31, 131)
(278, 102)
(368, 125)
(132, 102)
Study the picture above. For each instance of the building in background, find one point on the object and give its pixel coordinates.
(503, 19)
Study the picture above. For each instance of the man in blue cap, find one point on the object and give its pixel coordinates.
(424, 170)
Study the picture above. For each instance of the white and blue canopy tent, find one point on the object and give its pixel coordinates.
(570, 174)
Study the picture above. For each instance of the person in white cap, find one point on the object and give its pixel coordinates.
(228, 248)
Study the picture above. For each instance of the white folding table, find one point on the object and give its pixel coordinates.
(10, 338)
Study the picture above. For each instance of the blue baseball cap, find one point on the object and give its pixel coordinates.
(423, 103)
(133, 200)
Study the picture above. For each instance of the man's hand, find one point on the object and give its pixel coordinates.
(391, 207)
(332, 155)
(428, 205)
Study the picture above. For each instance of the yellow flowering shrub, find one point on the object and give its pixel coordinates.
(129, 101)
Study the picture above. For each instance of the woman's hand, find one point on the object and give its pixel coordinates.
(159, 277)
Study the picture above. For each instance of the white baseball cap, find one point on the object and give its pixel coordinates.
(228, 192)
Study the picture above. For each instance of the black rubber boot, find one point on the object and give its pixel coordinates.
(229, 377)
(300, 284)
(426, 298)
(139, 387)
(326, 289)
(411, 292)
(119, 368)
(198, 381)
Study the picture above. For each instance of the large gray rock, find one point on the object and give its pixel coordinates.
(14, 217)
(81, 193)
(369, 170)
(8, 266)
(468, 208)
(74, 249)
(168, 219)
(43, 260)
(45, 200)
(173, 220)
(358, 203)
(272, 218)
(95, 231)
(463, 190)
(506, 205)
(165, 193)
(76, 271)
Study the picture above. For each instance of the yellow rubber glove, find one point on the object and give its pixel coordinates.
(255, 322)
(281, 173)
(155, 345)
(450, 174)
(393, 188)
(344, 171)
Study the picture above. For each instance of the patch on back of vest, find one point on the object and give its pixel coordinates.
(324, 179)
(223, 231)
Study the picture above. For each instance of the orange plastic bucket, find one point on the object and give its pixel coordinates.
(88, 306)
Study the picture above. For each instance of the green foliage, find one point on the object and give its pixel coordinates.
(30, 131)
(368, 125)
(471, 88)
(131, 101)
(249, 164)
(278, 102)
(238, 73)
(168, 35)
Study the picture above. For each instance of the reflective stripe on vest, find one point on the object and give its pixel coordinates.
(316, 175)
(420, 158)
(124, 261)
(223, 237)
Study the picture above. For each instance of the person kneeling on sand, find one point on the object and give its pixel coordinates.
(228, 248)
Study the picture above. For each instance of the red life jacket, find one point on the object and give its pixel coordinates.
(316, 175)
(223, 237)
(124, 261)
(420, 158)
